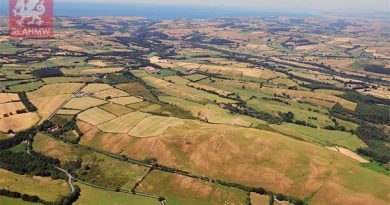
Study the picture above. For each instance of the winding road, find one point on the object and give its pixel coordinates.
(70, 177)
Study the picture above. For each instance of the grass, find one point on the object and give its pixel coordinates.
(95, 87)
(95, 116)
(326, 137)
(90, 195)
(46, 188)
(236, 154)
(116, 109)
(212, 113)
(12, 201)
(84, 103)
(136, 89)
(55, 80)
(376, 167)
(101, 170)
(154, 126)
(124, 123)
(8, 97)
(54, 90)
(11, 107)
(179, 190)
(18, 122)
(47, 105)
(301, 113)
(195, 77)
(183, 90)
(68, 112)
(22, 147)
(257, 199)
(126, 100)
(111, 93)
(26, 87)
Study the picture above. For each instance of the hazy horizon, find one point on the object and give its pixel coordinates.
(174, 9)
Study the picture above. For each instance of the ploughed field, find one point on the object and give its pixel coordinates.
(200, 120)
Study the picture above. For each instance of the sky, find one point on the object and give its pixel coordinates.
(364, 6)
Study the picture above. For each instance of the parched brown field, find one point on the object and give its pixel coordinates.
(237, 154)
(124, 123)
(257, 199)
(95, 116)
(112, 93)
(47, 105)
(19, 122)
(54, 89)
(84, 103)
(11, 107)
(8, 97)
(126, 100)
(98, 63)
(95, 87)
(179, 189)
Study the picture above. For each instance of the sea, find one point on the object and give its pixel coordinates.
(156, 12)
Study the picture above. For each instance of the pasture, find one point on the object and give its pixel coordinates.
(116, 109)
(325, 137)
(206, 149)
(90, 195)
(95, 87)
(154, 126)
(8, 97)
(126, 100)
(124, 123)
(84, 103)
(179, 189)
(44, 187)
(10, 108)
(124, 175)
(19, 122)
(95, 116)
(111, 93)
(54, 90)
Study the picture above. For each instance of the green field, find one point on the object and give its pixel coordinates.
(43, 187)
(26, 87)
(96, 168)
(11, 201)
(212, 113)
(90, 195)
(326, 137)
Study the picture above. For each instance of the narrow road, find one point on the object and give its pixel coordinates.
(28, 147)
(70, 177)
